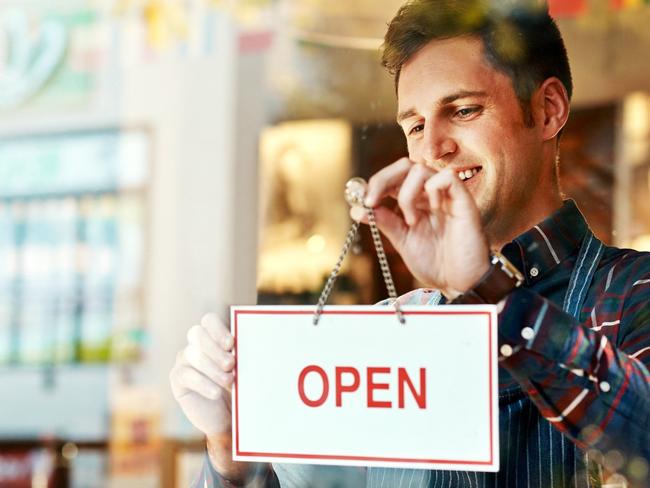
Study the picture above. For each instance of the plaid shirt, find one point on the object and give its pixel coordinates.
(566, 385)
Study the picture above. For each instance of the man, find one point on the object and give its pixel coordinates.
(483, 97)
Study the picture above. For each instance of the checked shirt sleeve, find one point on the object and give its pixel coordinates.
(263, 477)
(590, 380)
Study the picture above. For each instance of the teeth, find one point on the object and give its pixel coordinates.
(467, 174)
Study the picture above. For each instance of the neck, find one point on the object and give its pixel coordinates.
(504, 231)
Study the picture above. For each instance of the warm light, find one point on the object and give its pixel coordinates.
(69, 450)
(39, 480)
(636, 128)
(638, 469)
(636, 115)
(641, 243)
(316, 243)
(304, 218)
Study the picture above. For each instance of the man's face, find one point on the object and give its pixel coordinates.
(457, 111)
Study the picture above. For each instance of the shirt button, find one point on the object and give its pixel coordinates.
(527, 333)
(534, 271)
(604, 386)
(506, 350)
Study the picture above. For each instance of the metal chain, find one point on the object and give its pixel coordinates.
(325, 294)
(383, 264)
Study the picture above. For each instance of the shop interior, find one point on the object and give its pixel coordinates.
(162, 159)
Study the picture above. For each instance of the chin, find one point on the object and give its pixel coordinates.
(487, 213)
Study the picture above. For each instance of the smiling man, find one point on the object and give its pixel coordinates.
(483, 96)
(472, 122)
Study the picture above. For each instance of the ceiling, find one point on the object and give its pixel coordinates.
(329, 58)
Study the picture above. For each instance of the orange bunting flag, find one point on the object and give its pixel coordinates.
(623, 4)
(567, 8)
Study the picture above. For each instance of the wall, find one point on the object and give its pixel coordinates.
(204, 116)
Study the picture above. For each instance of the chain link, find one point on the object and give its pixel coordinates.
(383, 264)
(325, 294)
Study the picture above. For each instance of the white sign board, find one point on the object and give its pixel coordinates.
(362, 389)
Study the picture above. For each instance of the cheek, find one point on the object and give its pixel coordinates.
(412, 148)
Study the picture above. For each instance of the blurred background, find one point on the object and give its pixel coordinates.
(160, 159)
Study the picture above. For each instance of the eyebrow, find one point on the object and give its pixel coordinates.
(443, 101)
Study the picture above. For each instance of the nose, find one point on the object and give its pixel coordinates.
(438, 146)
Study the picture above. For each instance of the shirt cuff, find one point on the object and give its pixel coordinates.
(530, 322)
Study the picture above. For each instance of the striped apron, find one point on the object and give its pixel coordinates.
(533, 453)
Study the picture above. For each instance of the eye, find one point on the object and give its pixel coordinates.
(415, 129)
(466, 112)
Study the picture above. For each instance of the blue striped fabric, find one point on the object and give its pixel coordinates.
(580, 384)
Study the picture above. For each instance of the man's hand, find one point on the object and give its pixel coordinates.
(439, 232)
(201, 381)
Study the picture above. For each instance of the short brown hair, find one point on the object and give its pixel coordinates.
(522, 40)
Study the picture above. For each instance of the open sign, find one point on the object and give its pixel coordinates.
(372, 385)
(362, 389)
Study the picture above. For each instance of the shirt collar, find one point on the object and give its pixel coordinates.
(539, 250)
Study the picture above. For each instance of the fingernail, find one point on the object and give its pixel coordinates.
(228, 342)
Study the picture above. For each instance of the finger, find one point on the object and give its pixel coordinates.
(384, 182)
(176, 377)
(198, 337)
(204, 365)
(422, 203)
(447, 192)
(412, 188)
(218, 331)
(189, 380)
(360, 214)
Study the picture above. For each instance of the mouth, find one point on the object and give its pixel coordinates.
(469, 173)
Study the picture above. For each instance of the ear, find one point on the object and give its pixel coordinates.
(553, 104)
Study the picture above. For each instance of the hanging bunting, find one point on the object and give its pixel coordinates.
(166, 22)
(567, 8)
(626, 4)
(186, 27)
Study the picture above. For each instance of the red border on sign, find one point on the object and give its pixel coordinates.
(364, 458)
